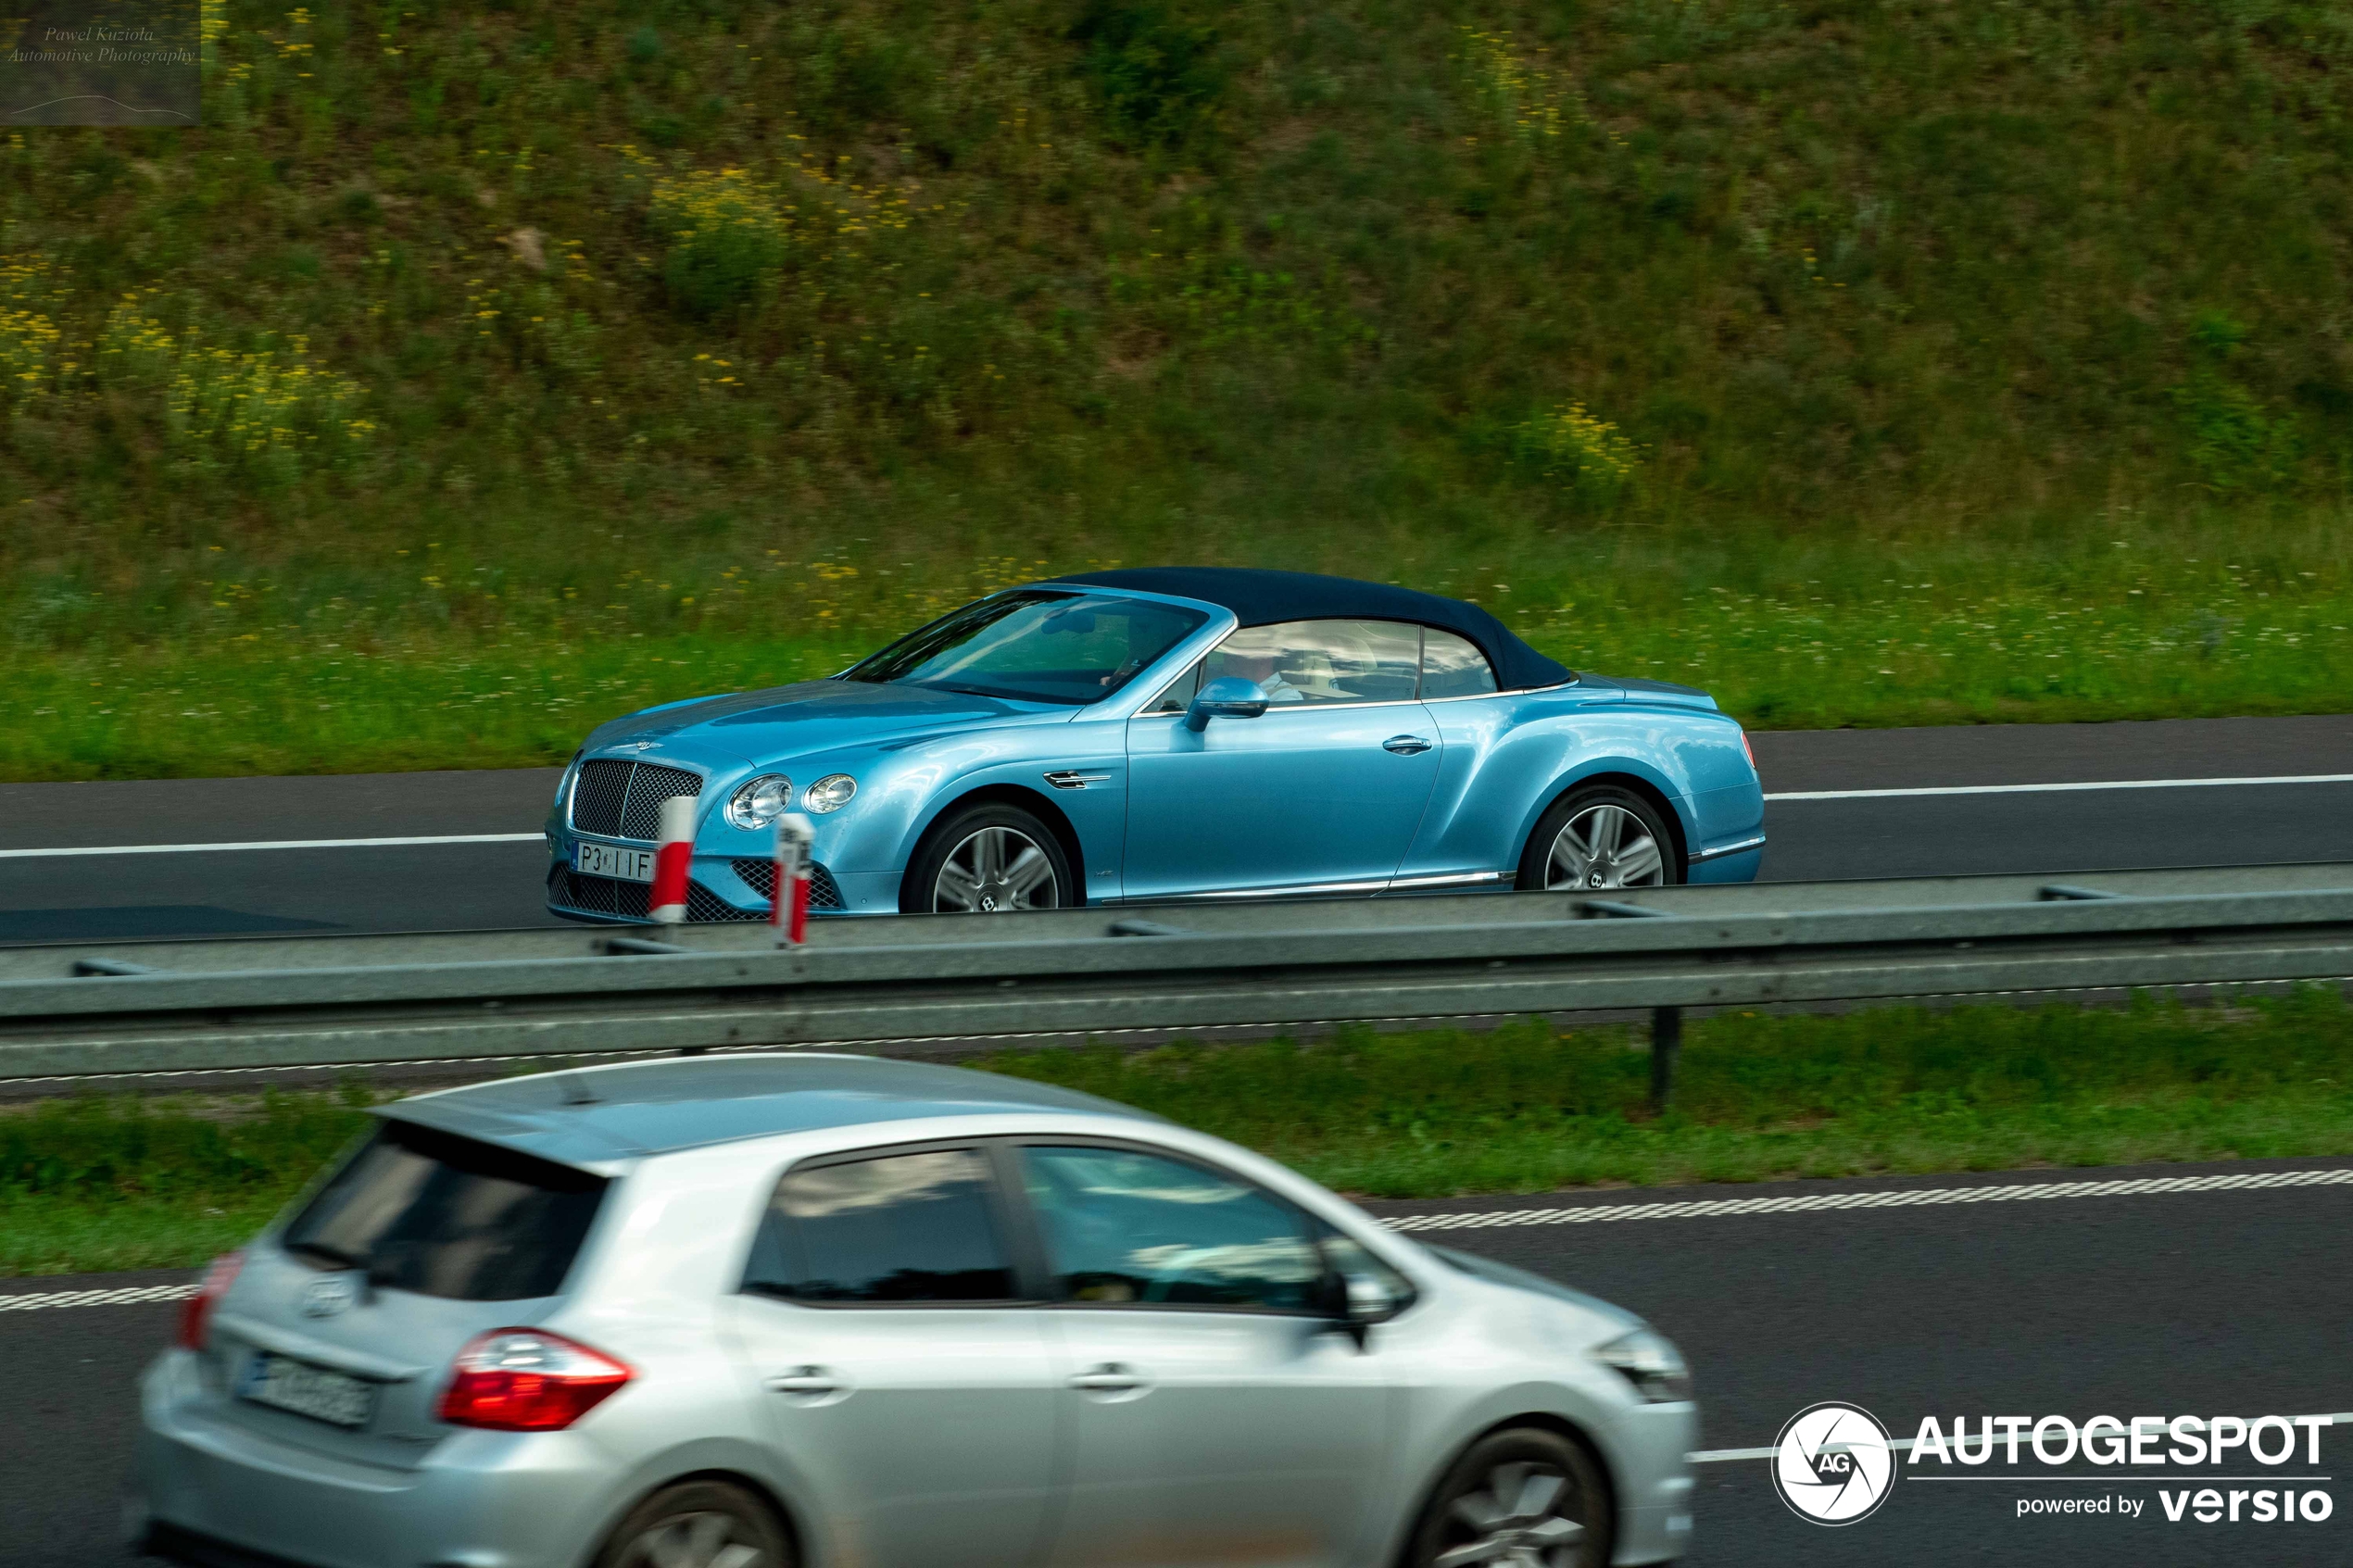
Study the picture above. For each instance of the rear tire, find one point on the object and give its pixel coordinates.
(988, 860)
(698, 1525)
(1598, 839)
(1527, 1497)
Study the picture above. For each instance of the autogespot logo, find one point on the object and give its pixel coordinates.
(1833, 1463)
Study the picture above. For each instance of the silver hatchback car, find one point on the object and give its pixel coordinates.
(831, 1311)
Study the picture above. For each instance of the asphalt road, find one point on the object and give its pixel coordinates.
(421, 886)
(2218, 1302)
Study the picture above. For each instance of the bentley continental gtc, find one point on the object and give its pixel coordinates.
(1161, 733)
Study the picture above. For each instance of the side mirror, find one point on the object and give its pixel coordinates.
(1228, 696)
(1353, 1303)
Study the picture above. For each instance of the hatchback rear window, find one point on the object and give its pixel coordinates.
(441, 1216)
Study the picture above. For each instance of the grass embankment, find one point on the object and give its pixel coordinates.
(163, 1184)
(475, 372)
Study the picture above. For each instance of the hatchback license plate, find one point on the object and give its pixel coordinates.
(314, 1391)
(603, 860)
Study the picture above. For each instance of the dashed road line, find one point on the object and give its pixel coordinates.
(1604, 1214)
(133, 1296)
(1611, 1213)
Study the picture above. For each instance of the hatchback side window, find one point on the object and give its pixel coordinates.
(1127, 1228)
(1322, 661)
(900, 1227)
(1452, 666)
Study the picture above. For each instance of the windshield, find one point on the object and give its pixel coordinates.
(1035, 645)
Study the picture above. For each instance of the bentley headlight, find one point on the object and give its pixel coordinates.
(757, 802)
(1650, 1362)
(830, 793)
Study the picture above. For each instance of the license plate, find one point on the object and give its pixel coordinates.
(314, 1391)
(603, 860)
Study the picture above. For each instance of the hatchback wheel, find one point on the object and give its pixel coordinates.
(698, 1525)
(1523, 1499)
(992, 860)
(1598, 839)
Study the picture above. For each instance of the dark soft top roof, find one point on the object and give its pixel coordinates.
(1263, 598)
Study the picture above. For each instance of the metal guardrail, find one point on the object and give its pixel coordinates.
(231, 1003)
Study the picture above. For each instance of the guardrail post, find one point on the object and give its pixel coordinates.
(1667, 1041)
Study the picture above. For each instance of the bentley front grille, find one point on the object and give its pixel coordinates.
(615, 799)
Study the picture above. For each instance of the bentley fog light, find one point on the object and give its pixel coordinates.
(830, 793)
(1650, 1362)
(757, 802)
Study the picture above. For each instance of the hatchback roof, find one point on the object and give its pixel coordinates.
(592, 1114)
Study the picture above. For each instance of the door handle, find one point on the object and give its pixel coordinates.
(1111, 1377)
(815, 1383)
(1406, 746)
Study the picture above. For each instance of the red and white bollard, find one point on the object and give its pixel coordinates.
(788, 906)
(668, 901)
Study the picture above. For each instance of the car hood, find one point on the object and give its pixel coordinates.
(811, 716)
(1655, 691)
(1494, 1273)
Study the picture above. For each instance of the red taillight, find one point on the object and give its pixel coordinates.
(527, 1380)
(196, 1313)
(1750, 750)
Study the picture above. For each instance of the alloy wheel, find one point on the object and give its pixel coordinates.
(1517, 1517)
(1604, 846)
(696, 1540)
(993, 871)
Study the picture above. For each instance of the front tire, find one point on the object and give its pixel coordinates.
(1527, 1497)
(991, 858)
(698, 1525)
(1596, 838)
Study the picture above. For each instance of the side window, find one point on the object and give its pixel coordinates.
(1323, 660)
(1124, 1228)
(902, 1227)
(1453, 667)
(1179, 696)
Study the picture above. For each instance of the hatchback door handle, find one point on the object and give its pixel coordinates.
(1405, 745)
(1111, 1377)
(810, 1382)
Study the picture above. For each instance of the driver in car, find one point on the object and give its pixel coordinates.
(1254, 663)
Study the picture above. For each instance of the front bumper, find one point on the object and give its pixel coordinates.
(719, 891)
(1649, 1457)
(206, 1490)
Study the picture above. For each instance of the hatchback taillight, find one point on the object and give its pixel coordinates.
(527, 1380)
(196, 1313)
(1749, 751)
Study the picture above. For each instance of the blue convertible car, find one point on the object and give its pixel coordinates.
(1161, 734)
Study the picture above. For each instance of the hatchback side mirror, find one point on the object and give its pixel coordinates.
(1353, 1303)
(1228, 696)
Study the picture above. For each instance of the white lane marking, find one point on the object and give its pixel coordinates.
(1786, 795)
(125, 1298)
(1723, 1456)
(274, 843)
(1609, 1213)
(2056, 788)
